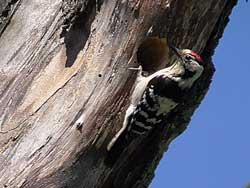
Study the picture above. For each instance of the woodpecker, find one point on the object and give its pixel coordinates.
(155, 96)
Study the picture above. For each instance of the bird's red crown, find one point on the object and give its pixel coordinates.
(197, 56)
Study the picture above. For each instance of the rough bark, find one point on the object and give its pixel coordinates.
(62, 61)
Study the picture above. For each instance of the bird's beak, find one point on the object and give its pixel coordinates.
(177, 51)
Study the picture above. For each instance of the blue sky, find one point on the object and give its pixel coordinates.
(214, 152)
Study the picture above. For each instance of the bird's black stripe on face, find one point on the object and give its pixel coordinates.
(188, 74)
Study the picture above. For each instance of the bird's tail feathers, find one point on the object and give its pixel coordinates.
(116, 147)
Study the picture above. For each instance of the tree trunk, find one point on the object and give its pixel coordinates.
(65, 85)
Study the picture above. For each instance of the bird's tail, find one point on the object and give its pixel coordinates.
(116, 146)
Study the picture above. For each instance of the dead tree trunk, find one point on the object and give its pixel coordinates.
(65, 61)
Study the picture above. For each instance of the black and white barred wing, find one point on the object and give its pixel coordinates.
(158, 99)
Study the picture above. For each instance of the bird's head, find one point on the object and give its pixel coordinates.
(190, 60)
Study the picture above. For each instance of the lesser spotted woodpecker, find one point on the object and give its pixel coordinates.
(155, 96)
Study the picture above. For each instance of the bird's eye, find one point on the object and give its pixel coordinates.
(188, 58)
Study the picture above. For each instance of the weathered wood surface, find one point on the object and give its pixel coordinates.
(65, 60)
